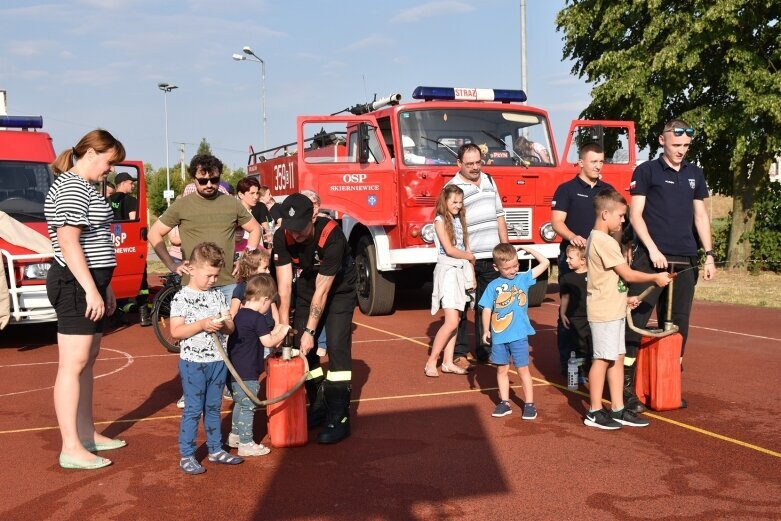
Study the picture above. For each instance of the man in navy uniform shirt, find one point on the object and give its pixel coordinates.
(666, 207)
(572, 216)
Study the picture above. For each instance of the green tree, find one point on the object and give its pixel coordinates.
(714, 63)
(156, 184)
(204, 147)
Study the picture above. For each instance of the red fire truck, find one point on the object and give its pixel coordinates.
(25, 178)
(379, 167)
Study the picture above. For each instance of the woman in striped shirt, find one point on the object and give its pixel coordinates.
(79, 220)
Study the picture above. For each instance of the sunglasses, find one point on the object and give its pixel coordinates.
(203, 181)
(679, 131)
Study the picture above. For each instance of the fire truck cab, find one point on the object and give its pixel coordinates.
(25, 179)
(379, 170)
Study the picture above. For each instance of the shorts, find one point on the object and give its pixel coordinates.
(517, 349)
(607, 339)
(70, 300)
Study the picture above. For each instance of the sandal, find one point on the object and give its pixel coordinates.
(225, 458)
(68, 462)
(452, 369)
(104, 445)
(190, 465)
(429, 371)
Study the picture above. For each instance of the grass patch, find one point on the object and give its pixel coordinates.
(741, 287)
(730, 287)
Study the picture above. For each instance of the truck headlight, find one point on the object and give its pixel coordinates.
(37, 271)
(547, 233)
(427, 233)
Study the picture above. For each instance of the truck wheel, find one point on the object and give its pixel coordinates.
(538, 290)
(376, 289)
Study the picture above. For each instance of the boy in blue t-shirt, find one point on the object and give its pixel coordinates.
(505, 307)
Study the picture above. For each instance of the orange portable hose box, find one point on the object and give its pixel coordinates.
(658, 372)
(286, 419)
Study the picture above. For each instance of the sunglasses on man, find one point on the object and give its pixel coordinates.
(679, 131)
(203, 181)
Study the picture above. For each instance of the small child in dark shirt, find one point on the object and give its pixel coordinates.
(251, 263)
(245, 351)
(572, 289)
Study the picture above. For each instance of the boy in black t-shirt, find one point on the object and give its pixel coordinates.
(245, 351)
(572, 290)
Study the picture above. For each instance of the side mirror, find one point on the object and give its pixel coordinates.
(363, 143)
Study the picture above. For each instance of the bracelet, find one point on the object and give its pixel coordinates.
(310, 331)
(710, 253)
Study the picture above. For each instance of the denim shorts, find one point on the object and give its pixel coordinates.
(517, 349)
(70, 300)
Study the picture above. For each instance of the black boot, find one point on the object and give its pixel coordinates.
(317, 411)
(143, 316)
(337, 425)
(631, 401)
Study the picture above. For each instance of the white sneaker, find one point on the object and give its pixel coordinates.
(253, 449)
(180, 402)
(233, 440)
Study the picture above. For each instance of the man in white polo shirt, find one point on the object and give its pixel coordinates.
(486, 228)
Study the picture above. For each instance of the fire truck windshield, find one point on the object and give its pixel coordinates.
(429, 136)
(23, 187)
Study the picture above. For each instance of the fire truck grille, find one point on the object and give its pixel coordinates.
(424, 200)
(519, 223)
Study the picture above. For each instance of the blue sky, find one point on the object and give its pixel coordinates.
(96, 63)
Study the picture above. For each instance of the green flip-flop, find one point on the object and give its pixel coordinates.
(104, 445)
(68, 462)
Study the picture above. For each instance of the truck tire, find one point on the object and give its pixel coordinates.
(376, 289)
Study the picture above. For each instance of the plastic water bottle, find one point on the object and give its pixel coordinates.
(572, 372)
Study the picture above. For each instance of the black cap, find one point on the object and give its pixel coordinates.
(122, 177)
(296, 212)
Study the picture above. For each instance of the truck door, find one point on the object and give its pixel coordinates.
(617, 138)
(129, 233)
(345, 160)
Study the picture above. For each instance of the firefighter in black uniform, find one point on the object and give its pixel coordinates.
(325, 297)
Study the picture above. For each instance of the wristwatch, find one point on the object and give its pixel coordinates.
(710, 252)
(310, 331)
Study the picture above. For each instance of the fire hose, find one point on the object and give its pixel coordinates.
(669, 327)
(286, 354)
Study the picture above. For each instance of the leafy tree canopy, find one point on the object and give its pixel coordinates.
(713, 63)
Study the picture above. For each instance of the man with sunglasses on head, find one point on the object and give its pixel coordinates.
(666, 208)
(208, 215)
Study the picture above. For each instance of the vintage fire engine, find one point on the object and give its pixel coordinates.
(379, 167)
(25, 178)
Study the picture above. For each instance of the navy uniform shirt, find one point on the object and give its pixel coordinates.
(669, 203)
(576, 198)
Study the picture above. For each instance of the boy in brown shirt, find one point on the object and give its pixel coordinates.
(606, 303)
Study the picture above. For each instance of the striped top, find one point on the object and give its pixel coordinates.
(483, 207)
(73, 201)
(457, 231)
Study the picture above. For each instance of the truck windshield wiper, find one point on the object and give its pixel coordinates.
(36, 216)
(455, 154)
(518, 160)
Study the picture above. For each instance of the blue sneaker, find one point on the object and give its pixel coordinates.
(529, 411)
(502, 409)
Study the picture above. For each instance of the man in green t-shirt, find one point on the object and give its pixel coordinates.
(207, 215)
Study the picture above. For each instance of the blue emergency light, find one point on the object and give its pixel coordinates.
(21, 121)
(469, 94)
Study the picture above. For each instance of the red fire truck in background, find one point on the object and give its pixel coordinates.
(25, 178)
(379, 167)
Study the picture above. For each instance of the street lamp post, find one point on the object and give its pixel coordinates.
(255, 58)
(166, 88)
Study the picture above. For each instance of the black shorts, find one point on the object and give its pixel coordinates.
(70, 300)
